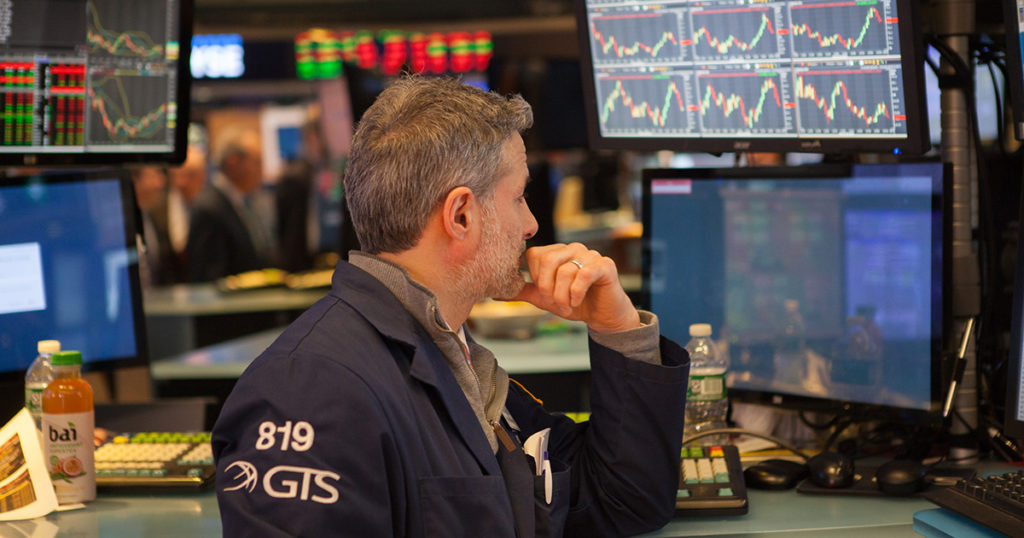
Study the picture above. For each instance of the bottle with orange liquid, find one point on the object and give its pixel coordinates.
(68, 422)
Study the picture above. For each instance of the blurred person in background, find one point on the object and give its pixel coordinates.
(156, 257)
(186, 182)
(308, 202)
(227, 232)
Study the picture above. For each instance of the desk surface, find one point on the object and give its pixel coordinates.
(782, 513)
(206, 299)
(789, 512)
(561, 352)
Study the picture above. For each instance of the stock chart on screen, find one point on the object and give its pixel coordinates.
(772, 69)
(89, 77)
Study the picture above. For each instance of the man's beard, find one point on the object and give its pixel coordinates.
(494, 271)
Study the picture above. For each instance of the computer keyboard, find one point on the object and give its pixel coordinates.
(155, 460)
(711, 482)
(995, 501)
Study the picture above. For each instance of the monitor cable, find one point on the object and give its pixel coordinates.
(740, 431)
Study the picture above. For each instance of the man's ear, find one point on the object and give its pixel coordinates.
(460, 212)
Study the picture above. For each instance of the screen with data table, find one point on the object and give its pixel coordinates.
(88, 81)
(823, 284)
(742, 75)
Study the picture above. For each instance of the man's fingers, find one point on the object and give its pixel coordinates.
(545, 263)
(577, 283)
(594, 267)
(564, 278)
(563, 275)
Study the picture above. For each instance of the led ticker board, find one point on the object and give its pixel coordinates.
(744, 75)
(321, 53)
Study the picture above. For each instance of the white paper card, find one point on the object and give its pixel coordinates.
(25, 487)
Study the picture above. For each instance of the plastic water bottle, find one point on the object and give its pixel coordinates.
(791, 347)
(706, 401)
(39, 375)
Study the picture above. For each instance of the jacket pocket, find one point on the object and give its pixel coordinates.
(466, 506)
(551, 517)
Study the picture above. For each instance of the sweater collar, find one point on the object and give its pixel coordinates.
(485, 384)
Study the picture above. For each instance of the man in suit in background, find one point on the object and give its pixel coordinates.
(227, 234)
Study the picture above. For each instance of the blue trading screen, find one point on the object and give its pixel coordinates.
(733, 68)
(65, 271)
(856, 261)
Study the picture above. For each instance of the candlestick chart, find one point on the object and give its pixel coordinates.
(848, 101)
(734, 33)
(743, 103)
(850, 28)
(630, 37)
(631, 104)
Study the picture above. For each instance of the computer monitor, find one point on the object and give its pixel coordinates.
(1014, 414)
(1013, 17)
(856, 252)
(95, 81)
(728, 75)
(68, 271)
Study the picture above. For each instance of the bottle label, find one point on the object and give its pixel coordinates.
(705, 388)
(68, 439)
(34, 398)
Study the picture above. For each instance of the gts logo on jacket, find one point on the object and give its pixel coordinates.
(287, 482)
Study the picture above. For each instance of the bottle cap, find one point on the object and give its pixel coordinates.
(66, 358)
(48, 346)
(700, 329)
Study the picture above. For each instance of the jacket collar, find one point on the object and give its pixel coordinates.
(378, 306)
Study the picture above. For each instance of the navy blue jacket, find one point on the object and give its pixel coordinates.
(352, 423)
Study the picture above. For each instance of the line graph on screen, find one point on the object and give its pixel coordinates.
(107, 32)
(126, 108)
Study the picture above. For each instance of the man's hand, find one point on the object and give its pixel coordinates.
(578, 284)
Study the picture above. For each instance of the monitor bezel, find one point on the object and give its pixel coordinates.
(130, 215)
(810, 172)
(183, 107)
(917, 141)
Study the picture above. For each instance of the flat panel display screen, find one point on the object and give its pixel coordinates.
(822, 283)
(735, 75)
(1013, 17)
(93, 81)
(69, 270)
(1014, 409)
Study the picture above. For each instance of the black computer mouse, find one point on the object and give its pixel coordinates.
(901, 477)
(830, 470)
(774, 474)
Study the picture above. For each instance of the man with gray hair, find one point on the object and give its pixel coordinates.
(377, 414)
(227, 234)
